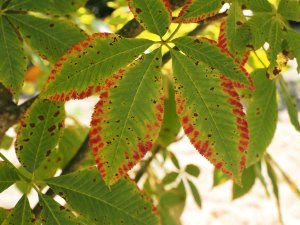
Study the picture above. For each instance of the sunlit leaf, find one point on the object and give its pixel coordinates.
(154, 15)
(219, 178)
(50, 37)
(211, 114)
(39, 132)
(8, 176)
(259, 6)
(12, 58)
(124, 129)
(293, 38)
(248, 180)
(79, 73)
(261, 116)
(88, 195)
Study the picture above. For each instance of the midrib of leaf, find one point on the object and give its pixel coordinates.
(155, 24)
(47, 34)
(39, 144)
(95, 198)
(103, 60)
(49, 208)
(23, 211)
(127, 116)
(20, 3)
(207, 108)
(6, 47)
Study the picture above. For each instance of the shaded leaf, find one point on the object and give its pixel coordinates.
(173, 197)
(21, 214)
(248, 180)
(56, 214)
(165, 216)
(262, 113)
(259, 6)
(290, 103)
(88, 195)
(290, 9)
(170, 126)
(79, 73)
(293, 38)
(124, 129)
(197, 10)
(192, 170)
(3, 214)
(50, 37)
(8, 176)
(39, 132)
(211, 114)
(12, 58)
(47, 6)
(205, 51)
(154, 15)
(219, 178)
(174, 160)
(195, 193)
(170, 178)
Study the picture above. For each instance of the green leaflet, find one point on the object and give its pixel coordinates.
(3, 214)
(21, 215)
(123, 129)
(56, 214)
(47, 6)
(259, 6)
(192, 170)
(198, 10)
(210, 114)
(248, 180)
(154, 15)
(50, 37)
(170, 178)
(8, 176)
(12, 58)
(204, 51)
(79, 73)
(290, 104)
(293, 38)
(275, 40)
(219, 178)
(290, 9)
(234, 21)
(195, 193)
(39, 132)
(261, 116)
(88, 195)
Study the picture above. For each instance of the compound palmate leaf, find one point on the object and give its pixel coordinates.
(8, 175)
(88, 195)
(52, 38)
(127, 119)
(12, 58)
(211, 114)
(47, 6)
(154, 15)
(197, 10)
(39, 132)
(79, 73)
(21, 214)
(205, 50)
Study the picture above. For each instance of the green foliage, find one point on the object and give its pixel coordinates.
(8, 175)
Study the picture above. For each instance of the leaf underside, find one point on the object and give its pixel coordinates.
(88, 195)
(154, 15)
(211, 114)
(78, 74)
(197, 10)
(12, 58)
(123, 129)
(39, 132)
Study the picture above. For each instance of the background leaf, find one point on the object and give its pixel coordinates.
(79, 73)
(50, 37)
(195, 193)
(39, 132)
(124, 129)
(293, 38)
(290, 9)
(87, 194)
(12, 58)
(154, 15)
(262, 113)
(192, 170)
(248, 180)
(170, 178)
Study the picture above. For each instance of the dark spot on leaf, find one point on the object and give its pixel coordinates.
(41, 117)
(51, 25)
(56, 114)
(52, 128)
(32, 125)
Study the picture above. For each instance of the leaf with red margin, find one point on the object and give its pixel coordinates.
(78, 74)
(197, 10)
(211, 114)
(207, 51)
(223, 45)
(154, 15)
(124, 128)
